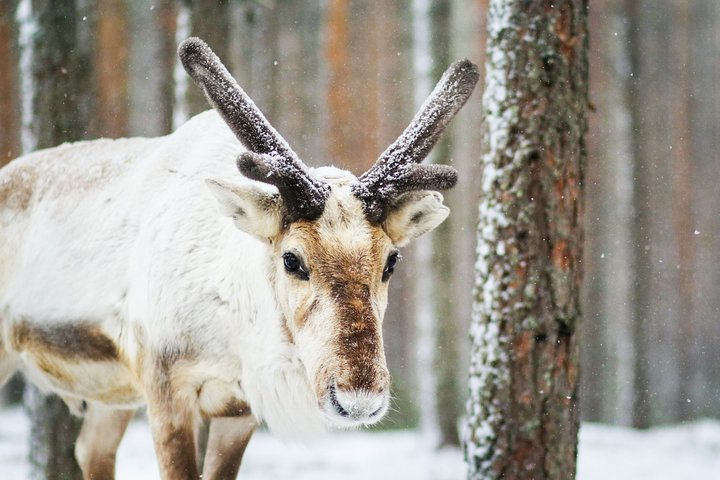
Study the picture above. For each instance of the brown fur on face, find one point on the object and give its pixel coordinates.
(345, 256)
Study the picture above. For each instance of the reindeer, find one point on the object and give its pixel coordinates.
(150, 271)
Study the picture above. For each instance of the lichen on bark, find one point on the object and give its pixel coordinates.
(522, 412)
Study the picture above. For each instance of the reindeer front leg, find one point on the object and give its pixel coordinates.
(226, 444)
(172, 419)
(100, 436)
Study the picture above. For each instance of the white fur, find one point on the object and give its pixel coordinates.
(126, 234)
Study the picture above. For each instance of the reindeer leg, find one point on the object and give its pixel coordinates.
(226, 444)
(99, 438)
(172, 417)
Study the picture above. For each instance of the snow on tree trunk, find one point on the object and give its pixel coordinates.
(522, 412)
(56, 71)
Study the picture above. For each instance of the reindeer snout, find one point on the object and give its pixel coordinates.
(348, 407)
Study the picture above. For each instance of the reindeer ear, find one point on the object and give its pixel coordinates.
(413, 214)
(254, 207)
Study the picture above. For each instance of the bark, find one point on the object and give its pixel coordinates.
(612, 193)
(597, 185)
(10, 123)
(468, 41)
(704, 101)
(209, 21)
(166, 16)
(61, 76)
(682, 173)
(522, 412)
(61, 80)
(449, 402)
(653, 291)
(392, 27)
(298, 65)
(111, 68)
(351, 55)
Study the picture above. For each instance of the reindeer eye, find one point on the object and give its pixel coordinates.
(390, 266)
(293, 266)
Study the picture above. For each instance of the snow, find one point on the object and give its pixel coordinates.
(684, 451)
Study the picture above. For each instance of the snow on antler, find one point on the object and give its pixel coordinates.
(397, 170)
(270, 160)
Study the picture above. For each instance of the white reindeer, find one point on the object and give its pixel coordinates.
(122, 283)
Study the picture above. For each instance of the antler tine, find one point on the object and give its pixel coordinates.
(270, 159)
(396, 171)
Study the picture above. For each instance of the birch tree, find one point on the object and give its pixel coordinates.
(522, 412)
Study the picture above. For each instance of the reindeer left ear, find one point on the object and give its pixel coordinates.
(253, 206)
(413, 214)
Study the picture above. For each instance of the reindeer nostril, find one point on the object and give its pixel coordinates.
(335, 403)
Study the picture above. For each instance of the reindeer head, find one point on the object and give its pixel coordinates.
(334, 238)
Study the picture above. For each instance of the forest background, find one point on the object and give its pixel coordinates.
(340, 80)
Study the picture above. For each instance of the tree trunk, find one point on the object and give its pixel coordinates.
(111, 69)
(209, 21)
(446, 321)
(705, 111)
(684, 221)
(166, 15)
(522, 413)
(61, 85)
(9, 89)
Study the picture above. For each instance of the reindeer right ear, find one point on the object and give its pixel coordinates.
(254, 207)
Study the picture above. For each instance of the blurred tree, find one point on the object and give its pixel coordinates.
(684, 221)
(166, 15)
(391, 27)
(61, 82)
(449, 396)
(608, 334)
(522, 412)
(300, 93)
(209, 20)
(9, 84)
(111, 68)
(704, 99)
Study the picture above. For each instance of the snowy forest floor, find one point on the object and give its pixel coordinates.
(674, 452)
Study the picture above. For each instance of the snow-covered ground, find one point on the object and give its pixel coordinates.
(690, 451)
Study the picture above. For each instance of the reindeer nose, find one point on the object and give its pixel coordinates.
(354, 407)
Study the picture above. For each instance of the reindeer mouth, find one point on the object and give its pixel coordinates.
(354, 408)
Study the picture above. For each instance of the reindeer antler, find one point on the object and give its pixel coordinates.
(397, 170)
(270, 159)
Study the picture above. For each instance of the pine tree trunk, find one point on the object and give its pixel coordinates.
(446, 319)
(9, 90)
(166, 17)
(522, 412)
(396, 109)
(61, 83)
(705, 110)
(209, 21)
(111, 68)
